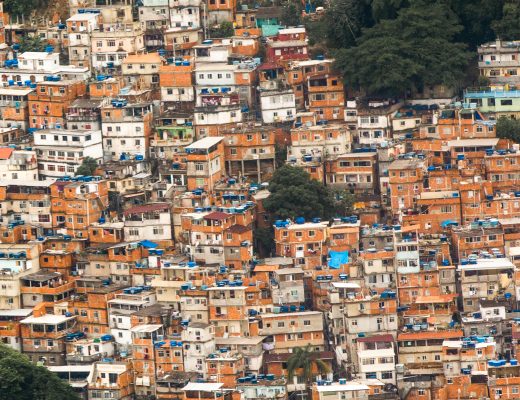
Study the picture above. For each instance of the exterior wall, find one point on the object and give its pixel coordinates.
(277, 106)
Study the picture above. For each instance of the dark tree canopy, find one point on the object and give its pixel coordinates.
(291, 14)
(22, 380)
(32, 43)
(415, 50)
(508, 27)
(508, 129)
(87, 167)
(224, 30)
(295, 194)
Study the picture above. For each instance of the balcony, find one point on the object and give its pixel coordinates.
(87, 359)
(48, 290)
(491, 64)
(82, 117)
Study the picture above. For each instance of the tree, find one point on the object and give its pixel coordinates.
(343, 201)
(87, 167)
(224, 30)
(291, 15)
(264, 241)
(304, 361)
(477, 18)
(508, 27)
(508, 129)
(22, 380)
(408, 53)
(32, 43)
(23, 7)
(295, 194)
(345, 20)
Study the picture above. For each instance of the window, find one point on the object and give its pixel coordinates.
(387, 375)
(506, 102)
(421, 392)
(446, 209)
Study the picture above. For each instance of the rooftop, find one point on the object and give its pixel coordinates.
(488, 264)
(47, 319)
(205, 143)
(202, 387)
(342, 387)
(147, 208)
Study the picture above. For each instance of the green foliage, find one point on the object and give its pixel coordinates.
(295, 194)
(21, 380)
(483, 80)
(280, 154)
(508, 129)
(508, 27)
(305, 359)
(224, 30)
(32, 43)
(23, 7)
(264, 241)
(291, 14)
(386, 9)
(410, 52)
(477, 18)
(344, 20)
(343, 201)
(87, 167)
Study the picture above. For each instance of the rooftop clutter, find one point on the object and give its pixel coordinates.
(138, 258)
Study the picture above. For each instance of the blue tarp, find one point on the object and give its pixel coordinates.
(148, 244)
(448, 222)
(337, 259)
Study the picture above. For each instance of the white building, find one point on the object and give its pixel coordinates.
(214, 77)
(373, 128)
(319, 141)
(122, 307)
(199, 341)
(39, 67)
(185, 14)
(287, 286)
(36, 213)
(209, 52)
(154, 15)
(18, 165)
(149, 221)
(277, 105)
(38, 61)
(16, 261)
(80, 28)
(342, 390)
(376, 355)
(114, 42)
(61, 152)
(126, 129)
